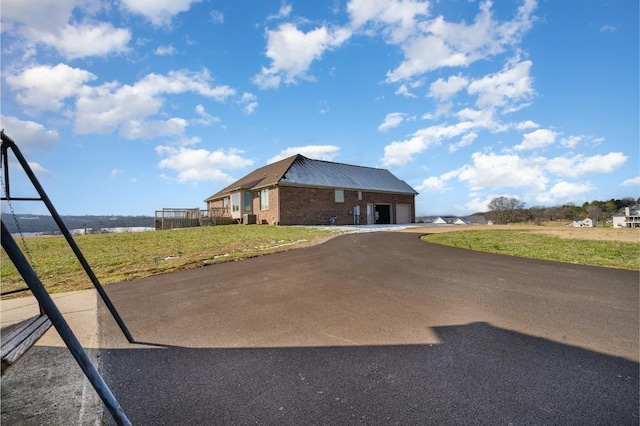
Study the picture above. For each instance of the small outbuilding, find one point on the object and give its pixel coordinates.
(584, 222)
(302, 191)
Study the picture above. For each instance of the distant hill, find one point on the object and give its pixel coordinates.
(44, 223)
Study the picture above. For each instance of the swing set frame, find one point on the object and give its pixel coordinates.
(48, 308)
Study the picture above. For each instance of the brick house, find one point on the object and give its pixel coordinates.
(303, 191)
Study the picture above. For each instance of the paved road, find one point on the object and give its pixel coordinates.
(377, 328)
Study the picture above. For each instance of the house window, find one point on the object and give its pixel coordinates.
(339, 196)
(225, 206)
(235, 202)
(248, 208)
(360, 195)
(264, 199)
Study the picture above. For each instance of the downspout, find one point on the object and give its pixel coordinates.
(278, 209)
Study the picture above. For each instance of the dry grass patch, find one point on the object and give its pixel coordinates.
(124, 257)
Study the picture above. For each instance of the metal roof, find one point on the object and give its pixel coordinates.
(308, 172)
(303, 171)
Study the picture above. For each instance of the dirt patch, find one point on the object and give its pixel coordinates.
(568, 232)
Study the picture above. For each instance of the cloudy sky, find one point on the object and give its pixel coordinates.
(129, 106)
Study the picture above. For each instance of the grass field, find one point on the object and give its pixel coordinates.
(123, 257)
(616, 248)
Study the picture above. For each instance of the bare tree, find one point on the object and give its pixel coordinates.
(505, 209)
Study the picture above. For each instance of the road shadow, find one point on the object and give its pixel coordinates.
(478, 374)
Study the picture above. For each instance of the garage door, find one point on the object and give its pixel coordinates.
(403, 213)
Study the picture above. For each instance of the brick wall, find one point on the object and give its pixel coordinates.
(314, 206)
(270, 216)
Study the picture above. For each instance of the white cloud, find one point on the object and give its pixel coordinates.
(38, 170)
(481, 204)
(39, 15)
(292, 52)
(28, 134)
(45, 87)
(398, 19)
(632, 182)
(159, 12)
(564, 192)
(490, 171)
(195, 165)
(392, 120)
(465, 141)
(116, 172)
(526, 125)
(505, 89)
(49, 22)
(445, 89)
(403, 90)
(112, 106)
(205, 118)
(151, 129)
(399, 153)
(476, 204)
(436, 43)
(249, 102)
(504, 171)
(571, 141)
(217, 17)
(537, 139)
(580, 164)
(165, 50)
(433, 184)
(84, 40)
(284, 11)
(317, 152)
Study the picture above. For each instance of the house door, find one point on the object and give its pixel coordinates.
(382, 214)
(370, 219)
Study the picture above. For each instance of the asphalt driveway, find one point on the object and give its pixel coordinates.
(377, 328)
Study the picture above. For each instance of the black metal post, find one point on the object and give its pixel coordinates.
(46, 303)
(63, 228)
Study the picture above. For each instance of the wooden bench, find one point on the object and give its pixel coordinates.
(19, 337)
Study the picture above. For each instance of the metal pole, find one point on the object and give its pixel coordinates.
(47, 305)
(63, 228)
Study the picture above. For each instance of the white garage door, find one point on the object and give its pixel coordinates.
(403, 213)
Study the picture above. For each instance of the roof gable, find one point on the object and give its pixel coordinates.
(262, 177)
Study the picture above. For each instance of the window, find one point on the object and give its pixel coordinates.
(264, 199)
(248, 208)
(235, 202)
(225, 205)
(339, 196)
(360, 195)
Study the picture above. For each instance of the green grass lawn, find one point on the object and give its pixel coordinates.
(123, 257)
(525, 243)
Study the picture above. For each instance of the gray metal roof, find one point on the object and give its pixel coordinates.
(300, 170)
(309, 172)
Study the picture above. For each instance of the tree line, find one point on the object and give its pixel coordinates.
(503, 210)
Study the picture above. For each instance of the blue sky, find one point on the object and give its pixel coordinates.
(126, 107)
